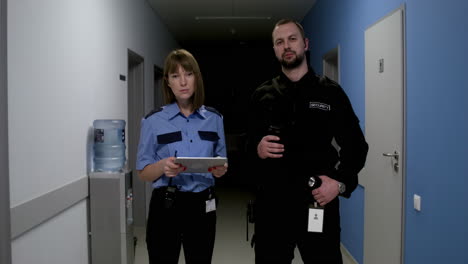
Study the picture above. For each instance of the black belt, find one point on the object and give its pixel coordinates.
(205, 194)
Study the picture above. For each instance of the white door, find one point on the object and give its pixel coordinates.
(382, 177)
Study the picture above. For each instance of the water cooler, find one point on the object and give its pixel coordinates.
(110, 197)
(111, 217)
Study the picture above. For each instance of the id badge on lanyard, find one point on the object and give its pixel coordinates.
(316, 214)
(210, 204)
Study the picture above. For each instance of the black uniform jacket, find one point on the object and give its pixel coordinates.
(308, 113)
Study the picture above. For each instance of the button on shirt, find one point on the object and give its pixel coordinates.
(168, 133)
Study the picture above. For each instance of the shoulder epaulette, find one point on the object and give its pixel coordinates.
(154, 111)
(212, 109)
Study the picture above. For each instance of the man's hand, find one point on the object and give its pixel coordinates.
(269, 149)
(327, 191)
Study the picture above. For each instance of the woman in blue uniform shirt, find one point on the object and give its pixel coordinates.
(182, 209)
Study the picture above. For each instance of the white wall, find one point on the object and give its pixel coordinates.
(64, 62)
(59, 240)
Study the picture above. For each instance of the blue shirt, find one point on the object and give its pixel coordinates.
(168, 130)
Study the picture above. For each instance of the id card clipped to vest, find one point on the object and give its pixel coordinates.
(315, 221)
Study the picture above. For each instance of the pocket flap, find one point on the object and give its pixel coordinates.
(208, 135)
(169, 137)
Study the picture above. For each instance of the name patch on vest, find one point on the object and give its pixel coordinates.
(318, 105)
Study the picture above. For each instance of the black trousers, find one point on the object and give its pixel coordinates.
(186, 224)
(281, 225)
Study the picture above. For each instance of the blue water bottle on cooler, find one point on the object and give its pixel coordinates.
(109, 145)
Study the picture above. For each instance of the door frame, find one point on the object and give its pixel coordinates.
(136, 110)
(402, 158)
(5, 227)
(331, 56)
(157, 102)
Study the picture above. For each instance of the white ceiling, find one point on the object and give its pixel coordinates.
(226, 20)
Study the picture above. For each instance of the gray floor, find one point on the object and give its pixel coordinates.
(231, 246)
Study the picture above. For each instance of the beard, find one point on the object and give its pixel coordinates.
(293, 63)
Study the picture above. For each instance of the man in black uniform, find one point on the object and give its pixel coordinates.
(300, 174)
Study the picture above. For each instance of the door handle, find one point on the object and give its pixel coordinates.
(396, 156)
(392, 155)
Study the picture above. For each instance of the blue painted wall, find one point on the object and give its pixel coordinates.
(437, 116)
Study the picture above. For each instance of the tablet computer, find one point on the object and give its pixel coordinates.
(200, 164)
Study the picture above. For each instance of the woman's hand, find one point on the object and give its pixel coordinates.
(219, 171)
(171, 169)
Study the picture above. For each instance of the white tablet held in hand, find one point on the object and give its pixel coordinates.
(200, 164)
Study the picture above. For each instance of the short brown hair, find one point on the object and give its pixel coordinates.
(183, 58)
(287, 21)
